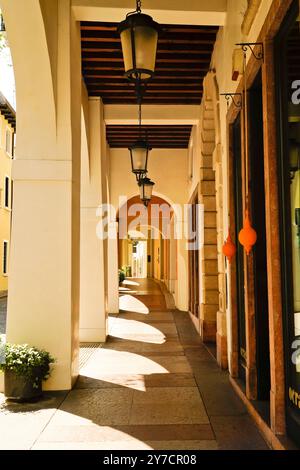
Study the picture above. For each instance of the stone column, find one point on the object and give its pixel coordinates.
(181, 291)
(113, 277)
(43, 303)
(208, 254)
(93, 302)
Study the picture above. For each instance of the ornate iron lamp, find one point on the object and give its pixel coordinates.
(139, 36)
(139, 152)
(146, 188)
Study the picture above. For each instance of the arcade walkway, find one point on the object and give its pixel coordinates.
(153, 385)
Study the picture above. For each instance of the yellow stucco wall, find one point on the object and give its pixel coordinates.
(5, 213)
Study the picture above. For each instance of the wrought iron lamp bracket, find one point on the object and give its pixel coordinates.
(251, 46)
(233, 96)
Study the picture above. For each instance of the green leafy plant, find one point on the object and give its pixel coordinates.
(127, 270)
(121, 276)
(31, 363)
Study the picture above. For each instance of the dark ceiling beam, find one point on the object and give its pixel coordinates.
(158, 136)
(183, 59)
(86, 57)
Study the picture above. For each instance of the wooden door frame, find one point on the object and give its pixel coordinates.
(192, 285)
(276, 15)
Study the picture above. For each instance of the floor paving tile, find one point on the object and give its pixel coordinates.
(185, 406)
(237, 433)
(99, 406)
(94, 433)
(128, 445)
(21, 424)
(152, 385)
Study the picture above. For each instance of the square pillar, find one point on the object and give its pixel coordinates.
(92, 288)
(93, 263)
(42, 304)
(113, 272)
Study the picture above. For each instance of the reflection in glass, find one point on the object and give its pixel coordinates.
(294, 171)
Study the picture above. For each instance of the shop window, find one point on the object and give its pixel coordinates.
(7, 192)
(8, 142)
(287, 53)
(5, 258)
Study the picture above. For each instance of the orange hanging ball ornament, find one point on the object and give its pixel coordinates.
(247, 236)
(229, 248)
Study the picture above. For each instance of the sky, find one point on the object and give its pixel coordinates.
(7, 79)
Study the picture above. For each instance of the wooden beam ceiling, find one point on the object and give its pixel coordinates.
(158, 136)
(183, 59)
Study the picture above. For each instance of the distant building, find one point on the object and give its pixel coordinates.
(7, 132)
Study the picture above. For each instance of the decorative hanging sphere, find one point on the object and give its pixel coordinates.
(229, 248)
(247, 236)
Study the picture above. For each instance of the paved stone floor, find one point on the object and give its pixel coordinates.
(153, 385)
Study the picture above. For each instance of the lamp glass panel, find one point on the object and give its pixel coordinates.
(127, 49)
(139, 158)
(145, 48)
(148, 191)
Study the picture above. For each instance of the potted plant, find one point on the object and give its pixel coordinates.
(121, 276)
(25, 368)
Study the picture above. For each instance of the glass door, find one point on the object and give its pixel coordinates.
(287, 53)
(194, 264)
(238, 206)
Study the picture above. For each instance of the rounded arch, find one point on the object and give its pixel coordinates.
(132, 214)
(35, 89)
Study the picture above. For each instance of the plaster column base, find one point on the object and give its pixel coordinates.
(92, 335)
(222, 351)
(208, 331)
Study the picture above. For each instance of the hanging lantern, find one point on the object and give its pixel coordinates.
(139, 36)
(139, 158)
(229, 248)
(146, 188)
(139, 152)
(247, 236)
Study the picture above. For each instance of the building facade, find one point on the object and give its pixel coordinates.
(7, 131)
(242, 159)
